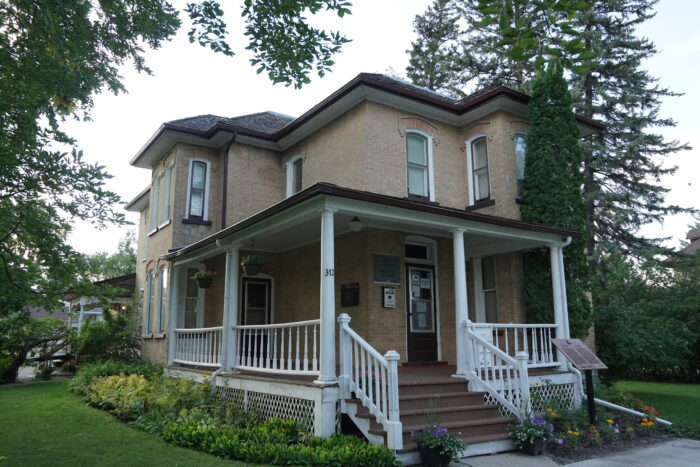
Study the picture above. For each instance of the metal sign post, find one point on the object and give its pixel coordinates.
(584, 360)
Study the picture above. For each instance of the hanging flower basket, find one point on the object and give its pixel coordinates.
(251, 265)
(204, 278)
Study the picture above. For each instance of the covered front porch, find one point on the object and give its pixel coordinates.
(355, 286)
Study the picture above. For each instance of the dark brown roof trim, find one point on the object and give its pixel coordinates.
(366, 79)
(329, 189)
(137, 198)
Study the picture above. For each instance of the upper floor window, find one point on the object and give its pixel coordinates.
(160, 198)
(419, 164)
(294, 175)
(479, 170)
(198, 191)
(520, 161)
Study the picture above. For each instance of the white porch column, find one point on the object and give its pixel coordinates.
(564, 303)
(174, 311)
(557, 299)
(229, 337)
(461, 313)
(327, 374)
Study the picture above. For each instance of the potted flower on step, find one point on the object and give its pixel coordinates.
(437, 447)
(531, 434)
(204, 278)
(251, 265)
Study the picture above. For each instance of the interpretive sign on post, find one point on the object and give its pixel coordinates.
(585, 360)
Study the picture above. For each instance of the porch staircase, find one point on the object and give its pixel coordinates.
(432, 395)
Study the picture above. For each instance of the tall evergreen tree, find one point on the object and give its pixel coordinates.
(552, 172)
(623, 164)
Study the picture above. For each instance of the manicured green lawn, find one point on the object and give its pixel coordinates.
(45, 425)
(677, 403)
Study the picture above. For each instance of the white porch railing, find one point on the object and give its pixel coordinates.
(285, 348)
(199, 346)
(503, 377)
(533, 339)
(373, 379)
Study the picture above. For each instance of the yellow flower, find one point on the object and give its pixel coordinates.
(610, 421)
(575, 433)
(645, 420)
(549, 410)
(554, 414)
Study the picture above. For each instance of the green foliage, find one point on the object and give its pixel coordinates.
(552, 172)
(646, 318)
(106, 266)
(43, 371)
(130, 396)
(54, 58)
(531, 429)
(550, 37)
(91, 371)
(116, 337)
(20, 334)
(275, 441)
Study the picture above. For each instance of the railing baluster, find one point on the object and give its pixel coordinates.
(296, 359)
(306, 348)
(315, 359)
(289, 351)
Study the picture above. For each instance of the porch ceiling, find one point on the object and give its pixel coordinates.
(296, 221)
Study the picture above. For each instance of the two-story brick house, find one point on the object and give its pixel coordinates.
(387, 221)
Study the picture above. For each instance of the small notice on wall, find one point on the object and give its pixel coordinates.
(386, 269)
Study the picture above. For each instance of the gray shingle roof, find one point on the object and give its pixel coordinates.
(265, 122)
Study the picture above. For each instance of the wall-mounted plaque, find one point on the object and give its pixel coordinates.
(350, 294)
(579, 354)
(386, 269)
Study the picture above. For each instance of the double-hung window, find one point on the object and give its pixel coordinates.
(419, 165)
(150, 294)
(520, 161)
(294, 175)
(479, 163)
(162, 298)
(166, 184)
(198, 187)
(488, 289)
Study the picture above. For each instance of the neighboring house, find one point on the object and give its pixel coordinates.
(694, 238)
(388, 223)
(85, 309)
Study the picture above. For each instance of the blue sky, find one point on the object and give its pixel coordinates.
(189, 80)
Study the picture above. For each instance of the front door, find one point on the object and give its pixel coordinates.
(256, 301)
(422, 333)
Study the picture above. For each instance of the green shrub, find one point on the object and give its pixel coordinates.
(115, 337)
(90, 371)
(129, 397)
(275, 441)
(43, 371)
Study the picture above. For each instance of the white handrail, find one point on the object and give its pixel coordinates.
(533, 339)
(504, 377)
(282, 348)
(198, 346)
(373, 379)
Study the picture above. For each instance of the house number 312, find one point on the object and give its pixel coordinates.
(328, 272)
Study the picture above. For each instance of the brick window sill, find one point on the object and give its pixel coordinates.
(480, 204)
(186, 220)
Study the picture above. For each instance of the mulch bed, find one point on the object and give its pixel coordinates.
(567, 455)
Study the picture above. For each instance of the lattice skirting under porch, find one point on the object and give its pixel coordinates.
(271, 405)
(542, 396)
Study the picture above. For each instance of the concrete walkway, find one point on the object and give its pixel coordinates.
(676, 453)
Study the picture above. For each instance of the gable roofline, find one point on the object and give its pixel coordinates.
(331, 190)
(140, 201)
(378, 82)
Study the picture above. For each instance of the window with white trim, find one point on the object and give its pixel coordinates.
(294, 175)
(488, 289)
(479, 170)
(162, 297)
(164, 201)
(153, 206)
(198, 191)
(148, 306)
(520, 147)
(419, 162)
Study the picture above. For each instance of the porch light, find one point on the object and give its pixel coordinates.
(356, 224)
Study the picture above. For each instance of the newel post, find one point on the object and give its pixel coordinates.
(394, 434)
(524, 382)
(345, 359)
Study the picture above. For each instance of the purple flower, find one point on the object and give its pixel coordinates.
(560, 440)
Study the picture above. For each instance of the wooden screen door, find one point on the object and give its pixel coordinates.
(421, 327)
(256, 301)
